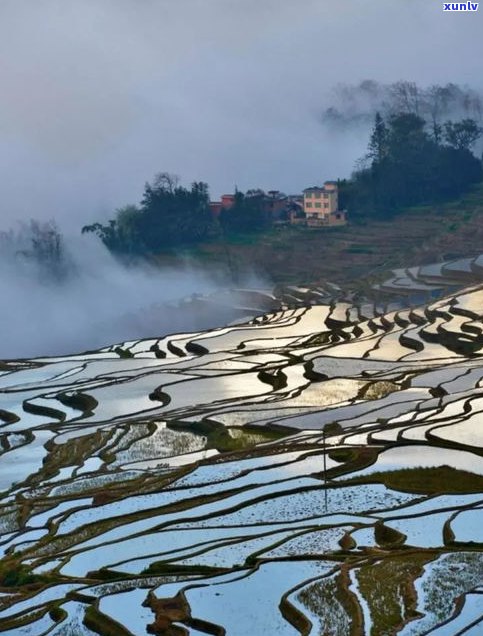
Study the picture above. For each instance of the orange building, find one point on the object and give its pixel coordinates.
(321, 205)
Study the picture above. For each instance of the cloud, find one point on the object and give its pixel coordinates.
(98, 96)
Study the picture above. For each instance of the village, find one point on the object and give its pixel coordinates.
(316, 207)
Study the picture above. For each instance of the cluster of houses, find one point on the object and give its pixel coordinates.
(316, 207)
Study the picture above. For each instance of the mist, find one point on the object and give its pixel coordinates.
(98, 301)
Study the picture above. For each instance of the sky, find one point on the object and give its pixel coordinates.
(100, 95)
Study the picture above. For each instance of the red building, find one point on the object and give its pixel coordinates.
(227, 201)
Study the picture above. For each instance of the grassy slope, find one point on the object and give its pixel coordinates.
(291, 255)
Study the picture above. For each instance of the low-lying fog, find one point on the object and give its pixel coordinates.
(95, 301)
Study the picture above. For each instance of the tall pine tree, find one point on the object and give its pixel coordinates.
(378, 143)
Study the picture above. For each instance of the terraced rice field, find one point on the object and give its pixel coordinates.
(317, 470)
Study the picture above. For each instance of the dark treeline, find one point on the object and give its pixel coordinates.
(168, 215)
(409, 162)
(172, 216)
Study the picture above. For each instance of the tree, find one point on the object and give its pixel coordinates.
(172, 215)
(107, 233)
(462, 135)
(166, 181)
(127, 229)
(435, 104)
(169, 216)
(409, 166)
(406, 97)
(378, 143)
(249, 213)
(406, 129)
(47, 244)
(39, 244)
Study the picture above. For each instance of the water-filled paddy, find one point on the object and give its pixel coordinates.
(127, 476)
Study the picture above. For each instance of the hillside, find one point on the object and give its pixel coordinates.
(348, 255)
